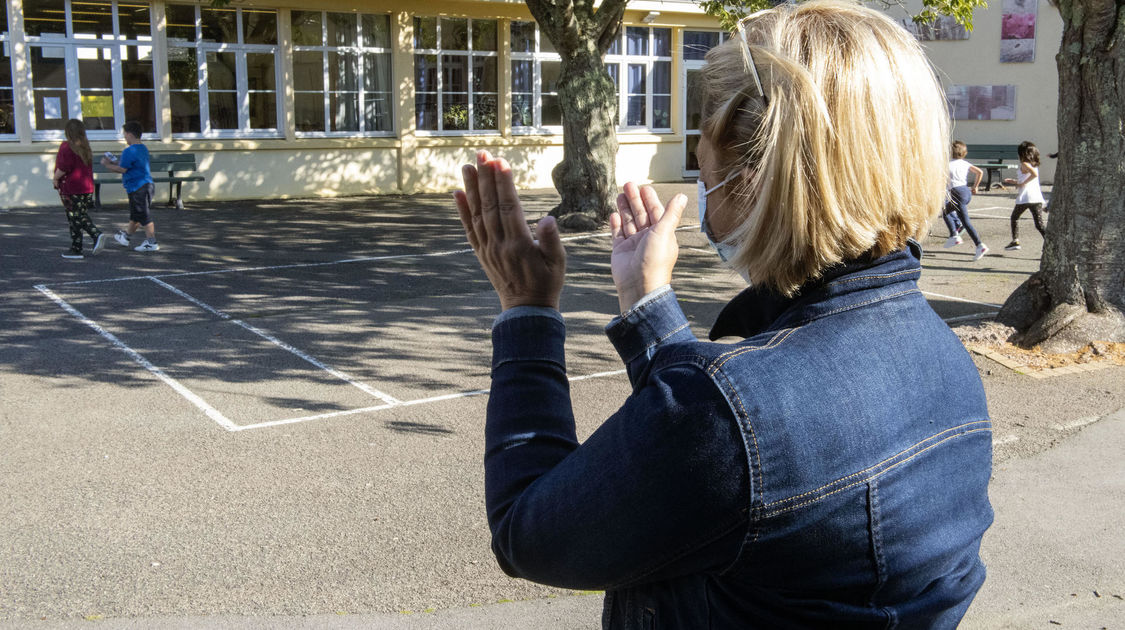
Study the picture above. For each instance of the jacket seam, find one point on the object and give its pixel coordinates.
(771, 513)
(874, 276)
(879, 463)
(776, 340)
(755, 465)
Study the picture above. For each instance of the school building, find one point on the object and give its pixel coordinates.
(297, 98)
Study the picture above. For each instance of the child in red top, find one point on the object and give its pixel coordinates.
(74, 179)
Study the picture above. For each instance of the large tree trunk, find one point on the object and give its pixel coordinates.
(1078, 294)
(586, 178)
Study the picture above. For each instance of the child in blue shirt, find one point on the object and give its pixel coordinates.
(137, 179)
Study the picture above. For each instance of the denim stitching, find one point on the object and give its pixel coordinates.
(862, 481)
(884, 275)
(781, 336)
(666, 336)
(755, 471)
(901, 453)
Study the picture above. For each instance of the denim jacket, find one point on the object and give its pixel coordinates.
(828, 470)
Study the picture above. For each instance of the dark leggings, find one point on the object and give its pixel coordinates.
(1036, 217)
(958, 203)
(77, 215)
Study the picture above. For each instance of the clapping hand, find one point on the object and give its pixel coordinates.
(524, 271)
(643, 233)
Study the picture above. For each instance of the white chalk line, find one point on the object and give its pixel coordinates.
(959, 299)
(1007, 439)
(403, 403)
(387, 398)
(194, 399)
(1075, 424)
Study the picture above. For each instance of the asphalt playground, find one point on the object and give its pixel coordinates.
(277, 418)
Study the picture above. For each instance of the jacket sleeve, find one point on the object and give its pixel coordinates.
(653, 322)
(659, 490)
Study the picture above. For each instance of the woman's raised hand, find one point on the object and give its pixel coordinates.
(524, 271)
(643, 233)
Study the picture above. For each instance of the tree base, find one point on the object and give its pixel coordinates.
(576, 221)
(1056, 328)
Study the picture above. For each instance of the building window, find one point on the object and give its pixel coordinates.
(643, 75)
(90, 59)
(7, 92)
(342, 73)
(222, 70)
(455, 74)
(535, 76)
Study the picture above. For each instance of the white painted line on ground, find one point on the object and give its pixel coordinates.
(404, 403)
(969, 318)
(387, 398)
(958, 299)
(1007, 439)
(1075, 424)
(210, 411)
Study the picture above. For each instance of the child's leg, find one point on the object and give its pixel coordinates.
(82, 204)
(950, 219)
(72, 223)
(150, 231)
(1020, 207)
(962, 196)
(1037, 217)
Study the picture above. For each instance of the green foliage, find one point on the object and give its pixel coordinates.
(729, 12)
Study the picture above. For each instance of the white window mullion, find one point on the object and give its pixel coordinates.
(326, 93)
(118, 86)
(648, 92)
(204, 97)
(73, 81)
(243, 90)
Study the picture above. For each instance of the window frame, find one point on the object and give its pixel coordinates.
(242, 91)
(536, 57)
(71, 43)
(6, 46)
(469, 53)
(359, 50)
(623, 60)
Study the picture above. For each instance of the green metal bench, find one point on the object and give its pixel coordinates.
(165, 168)
(993, 157)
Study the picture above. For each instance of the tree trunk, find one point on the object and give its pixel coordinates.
(1078, 294)
(587, 177)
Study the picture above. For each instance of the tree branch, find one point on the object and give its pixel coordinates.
(607, 23)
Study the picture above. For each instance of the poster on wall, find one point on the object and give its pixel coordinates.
(981, 102)
(1017, 31)
(943, 28)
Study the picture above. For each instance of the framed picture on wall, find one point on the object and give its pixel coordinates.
(981, 102)
(1017, 31)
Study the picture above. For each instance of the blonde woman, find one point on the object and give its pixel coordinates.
(811, 470)
(74, 179)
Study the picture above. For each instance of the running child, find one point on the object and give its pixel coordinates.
(959, 196)
(137, 179)
(1029, 195)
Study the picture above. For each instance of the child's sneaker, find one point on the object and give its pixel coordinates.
(952, 241)
(122, 238)
(982, 249)
(99, 243)
(1013, 246)
(147, 246)
(70, 254)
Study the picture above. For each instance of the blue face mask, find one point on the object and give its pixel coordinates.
(725, 250)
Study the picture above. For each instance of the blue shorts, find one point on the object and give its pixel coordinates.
(139, 202)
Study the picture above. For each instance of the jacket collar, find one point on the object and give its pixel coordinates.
(757, 310)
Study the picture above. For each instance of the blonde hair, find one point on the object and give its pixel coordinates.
(846, 154)
(958, 150)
